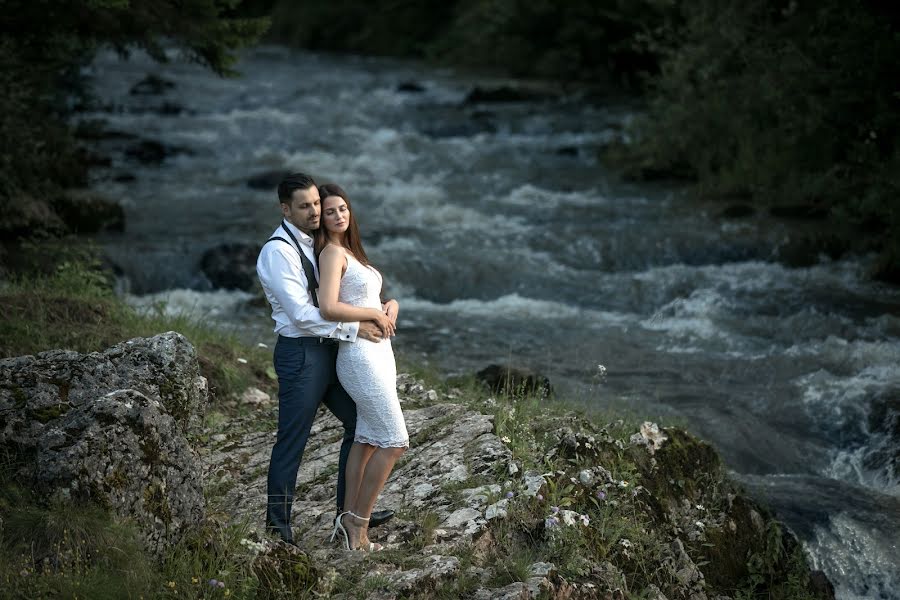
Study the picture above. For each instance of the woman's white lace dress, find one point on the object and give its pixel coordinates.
(367, 369)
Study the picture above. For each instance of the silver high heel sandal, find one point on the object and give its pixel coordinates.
(338, 526)
(373, 547)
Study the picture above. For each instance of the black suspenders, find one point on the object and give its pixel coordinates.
(307, 265)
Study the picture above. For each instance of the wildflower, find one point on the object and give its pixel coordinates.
(588, 445)
(243, 361)
(601, 495)
(254, 546)
(601, 371)
(551, 522)
(623, 484)
(510, 494)
(172, 584)
(505, 439)
(220, 584)
(195, 580)
(261, 345)
(700, 507)
(213, 583)
(554, 509)
(585, 520)
(227, 593)
(540, 497)
(569, 517)
(625, 543)
(699, 525)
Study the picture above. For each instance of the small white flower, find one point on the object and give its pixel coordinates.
(625, 543)
(569, 517)
(700, 525)
(623, 484)
(256, 547)
(585, 520)
(261, 345)
(243, 361)
(588, 445)
(700, 507)
(505, 439)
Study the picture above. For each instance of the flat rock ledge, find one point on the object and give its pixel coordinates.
(442, 516)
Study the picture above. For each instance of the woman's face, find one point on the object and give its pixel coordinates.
(335, 214)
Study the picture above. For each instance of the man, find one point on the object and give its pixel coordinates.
(305, 352)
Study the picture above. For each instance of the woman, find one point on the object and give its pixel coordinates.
(350, 290)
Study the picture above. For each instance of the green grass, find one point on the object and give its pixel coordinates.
(75, 308)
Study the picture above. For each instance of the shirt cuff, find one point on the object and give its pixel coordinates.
(346, 332)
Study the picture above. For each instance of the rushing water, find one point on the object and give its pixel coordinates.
(506, 239)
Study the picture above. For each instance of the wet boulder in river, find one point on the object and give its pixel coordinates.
(231, 266)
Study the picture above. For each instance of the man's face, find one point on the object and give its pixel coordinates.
(304, 209)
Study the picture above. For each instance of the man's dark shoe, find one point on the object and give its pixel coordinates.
(380, 517)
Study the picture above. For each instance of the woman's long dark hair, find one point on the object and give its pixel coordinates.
(352, 241)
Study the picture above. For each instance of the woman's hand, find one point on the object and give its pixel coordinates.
(392, 310)
(384, 323)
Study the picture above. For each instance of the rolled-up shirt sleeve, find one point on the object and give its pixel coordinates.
(284, 282)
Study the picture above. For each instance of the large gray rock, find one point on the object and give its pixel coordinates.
(109, 427)
(49, 384)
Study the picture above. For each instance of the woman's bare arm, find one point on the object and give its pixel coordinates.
(332, 263)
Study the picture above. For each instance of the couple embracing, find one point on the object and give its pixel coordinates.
(334, 348)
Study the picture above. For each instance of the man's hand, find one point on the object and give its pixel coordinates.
(369, 330)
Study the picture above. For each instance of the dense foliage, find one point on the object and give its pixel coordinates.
(44, 44)
(791, 104)
(578, 39)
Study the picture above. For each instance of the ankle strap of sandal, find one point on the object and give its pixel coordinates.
(353, 514)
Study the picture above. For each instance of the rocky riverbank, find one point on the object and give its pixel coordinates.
(498, 497)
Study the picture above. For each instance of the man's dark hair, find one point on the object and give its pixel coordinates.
(291, 183)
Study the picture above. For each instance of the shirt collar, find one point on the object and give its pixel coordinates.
(303, 238)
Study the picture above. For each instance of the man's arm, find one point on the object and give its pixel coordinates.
(281, 275)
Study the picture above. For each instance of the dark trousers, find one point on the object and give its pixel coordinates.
(306, 378)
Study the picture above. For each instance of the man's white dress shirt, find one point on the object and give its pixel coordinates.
(284, 281)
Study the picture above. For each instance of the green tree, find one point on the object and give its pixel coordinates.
(792, 104)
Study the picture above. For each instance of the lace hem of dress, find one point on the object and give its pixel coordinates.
(361, 439)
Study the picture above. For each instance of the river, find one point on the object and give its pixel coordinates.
(506, 239)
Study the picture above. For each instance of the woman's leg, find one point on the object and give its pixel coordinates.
(376, 472)
(359, 457)
(353, 474)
